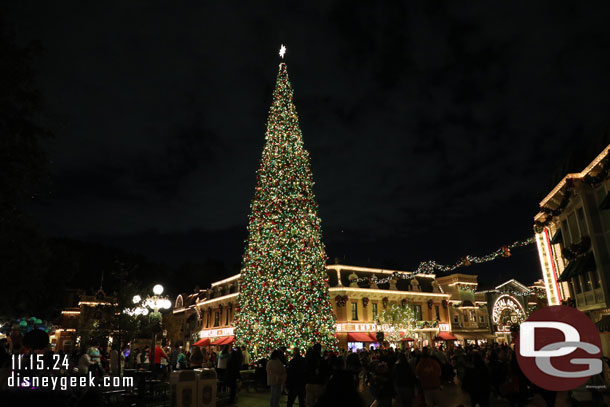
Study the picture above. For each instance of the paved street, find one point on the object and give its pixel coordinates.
(452, 396)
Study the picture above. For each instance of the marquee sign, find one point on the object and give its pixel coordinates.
(549, 270)
(212, 333)
(507, 310)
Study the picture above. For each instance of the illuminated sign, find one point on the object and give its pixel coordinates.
(549, 271)
(444, 327)
(506, 311)
(212, 333)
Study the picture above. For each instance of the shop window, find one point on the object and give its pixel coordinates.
(354, 311)
(374, 305)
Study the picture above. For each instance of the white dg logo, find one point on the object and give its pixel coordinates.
(571, 342)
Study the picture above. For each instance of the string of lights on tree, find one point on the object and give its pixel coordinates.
(432, 267)
(284, 295)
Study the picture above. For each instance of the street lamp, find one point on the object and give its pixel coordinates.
(155, 303)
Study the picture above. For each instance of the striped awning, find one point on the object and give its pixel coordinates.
(557, 237)
(202, 342)
(224, 340)
(473, 335)
(578, 266)
(445, 336)
(361, 337)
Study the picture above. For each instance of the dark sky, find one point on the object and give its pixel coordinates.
(434, 129)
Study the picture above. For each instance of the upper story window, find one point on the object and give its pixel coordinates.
(216, 318)
(227, 318)
(573, 225)
(354, 311)
(566, 233)
(374, 307)
(437, 311)
(582, 223)
(417, 311)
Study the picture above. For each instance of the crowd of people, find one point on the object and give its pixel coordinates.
(405, 377)
(411, 377)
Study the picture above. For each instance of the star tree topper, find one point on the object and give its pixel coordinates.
(282, 51)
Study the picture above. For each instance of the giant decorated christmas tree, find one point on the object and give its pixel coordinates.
(284, 298)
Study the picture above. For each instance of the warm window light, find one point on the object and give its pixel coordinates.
(158, 289)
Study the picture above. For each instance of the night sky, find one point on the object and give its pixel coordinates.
(434, 130)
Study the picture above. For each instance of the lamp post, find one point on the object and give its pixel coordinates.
(154, 303)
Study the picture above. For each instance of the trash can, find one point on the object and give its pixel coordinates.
(206, 387)
(184, 388)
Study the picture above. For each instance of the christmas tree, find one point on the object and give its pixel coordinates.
(284, 298)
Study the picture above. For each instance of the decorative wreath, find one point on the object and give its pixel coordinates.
(404, 302)
(341, 300)
(385, 301)
(430, 304)
(445, 303)
(365, 302)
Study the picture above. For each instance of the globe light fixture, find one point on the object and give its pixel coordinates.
(158, 289)
(136, 299)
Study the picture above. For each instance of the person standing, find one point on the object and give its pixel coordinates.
(196, 358)
(233, 366)
(223, 361)
(115, 368)
(317, 375)
(476, 381)
(173, 358)
(159, 354)
(297, 369)
(276, 377)
(246, 356)
(181, 362)
(404, 381)
(428, 371)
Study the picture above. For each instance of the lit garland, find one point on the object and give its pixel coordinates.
(431, 266)
(284, 298)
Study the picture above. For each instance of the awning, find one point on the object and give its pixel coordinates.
(405, 338)
(603, 325)
(557, 237)
(473, 336)
(360, 337)
(202, 342)
(578, 266)
(445, 336)
(606, 202)
(225, 340)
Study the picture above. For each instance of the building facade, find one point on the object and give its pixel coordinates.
(573, 237)
(446, 308)
(468, 314)
(85, 310)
